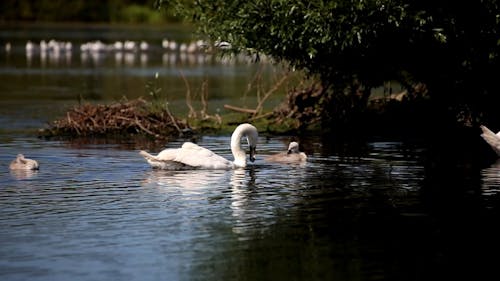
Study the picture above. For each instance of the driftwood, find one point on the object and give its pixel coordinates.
(240, 109)
(122, 118)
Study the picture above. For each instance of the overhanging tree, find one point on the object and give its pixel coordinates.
(353, 46)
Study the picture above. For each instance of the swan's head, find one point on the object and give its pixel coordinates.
(253, 151)
(293, 148)
(252, 137)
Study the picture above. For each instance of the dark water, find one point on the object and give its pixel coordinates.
(97, 211)
(370, 209)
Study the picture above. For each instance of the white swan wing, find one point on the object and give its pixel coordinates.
(199, 157)
(164, 160)
(491, 138)
(189, 156)
(168, 154)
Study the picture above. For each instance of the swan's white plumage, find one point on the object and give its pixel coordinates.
(21, 163)
(491, 138)
(193, 156)
(196, 156)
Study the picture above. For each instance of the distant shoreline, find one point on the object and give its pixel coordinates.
(83, 24)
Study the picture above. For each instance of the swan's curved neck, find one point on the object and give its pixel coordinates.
(243, 130)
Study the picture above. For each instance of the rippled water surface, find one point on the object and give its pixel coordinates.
(97, 211)
(359, 209)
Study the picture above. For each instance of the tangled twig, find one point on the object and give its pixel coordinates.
(126, 117)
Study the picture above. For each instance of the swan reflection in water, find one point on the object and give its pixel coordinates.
(249, 208)
(235, 191)
(491, 179)
(251, 197)
(23, 174)
(187, 181)
(241, 186)
(198, 181)
(260, 195)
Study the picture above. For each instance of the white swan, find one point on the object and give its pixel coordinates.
(21, 163)
(292, 155)
(491, 138)
(192, 156)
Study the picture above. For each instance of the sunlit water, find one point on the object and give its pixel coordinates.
(365, 209)
(98, 211)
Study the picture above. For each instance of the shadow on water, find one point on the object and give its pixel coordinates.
(348, 220)
(456, 176)
(368, 219)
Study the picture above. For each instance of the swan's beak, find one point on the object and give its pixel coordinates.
(289, 151)
(252, 153)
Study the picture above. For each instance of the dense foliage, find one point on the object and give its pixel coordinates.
(352, 46)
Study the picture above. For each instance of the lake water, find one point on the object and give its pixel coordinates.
(364, 209)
